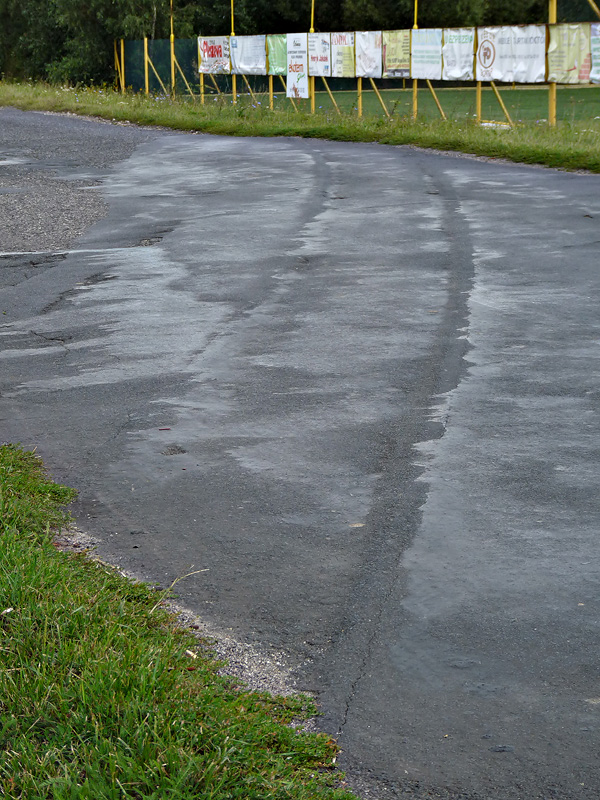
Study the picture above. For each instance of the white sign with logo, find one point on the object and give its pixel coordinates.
(297, 65)
(511, 54)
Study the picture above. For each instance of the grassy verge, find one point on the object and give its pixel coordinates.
(99, 697)
(574, 145)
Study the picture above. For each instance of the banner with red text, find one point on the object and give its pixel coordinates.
(213, 55)
(342, 55)
(319, 55)
(569, 53)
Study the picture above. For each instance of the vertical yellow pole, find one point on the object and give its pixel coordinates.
(271, 103)
(478, 102)
(123, 66)
(359, 88)
(415, 108)
(415, 97)
(146, 80)
(202, 90)
(172, 54)
(311, 81)
(233, 77)
(552, 86)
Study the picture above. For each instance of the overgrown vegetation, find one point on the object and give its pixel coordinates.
(101, 698)
(574, 145)
(67, 40)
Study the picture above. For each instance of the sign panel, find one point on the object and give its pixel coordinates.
(277, 54)
(426, 57)
(595, 47)
(511, 54)
(342, 55)
(396, 54)
(319, 55)
(569, 53)
(458, 54)
(297, 65)
(368, 54)
(213, 55)
(248, 55)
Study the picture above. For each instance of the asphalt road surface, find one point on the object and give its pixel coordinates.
(360, 385)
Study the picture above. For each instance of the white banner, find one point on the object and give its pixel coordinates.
(569, 54)
(297, 65)
(368, 54)
(459, 54)
(248, 55)
(213, 55)
(319, 55)
(595, 45)
(342, 55)
(512, 54)
(426, 56)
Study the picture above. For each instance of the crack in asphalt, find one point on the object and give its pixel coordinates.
(397, 521)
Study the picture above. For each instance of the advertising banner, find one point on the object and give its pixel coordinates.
(458, 54)
(595, 47)
(277, 54)
(368, 54)
(511, 53)
(248, 55)
(319, 55)
(569, 53)
(213, 55)
(297, 65)
(342, 55)
(426, 56)
(396, 54)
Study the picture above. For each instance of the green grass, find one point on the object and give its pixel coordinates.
(570, 145)
(98, 697)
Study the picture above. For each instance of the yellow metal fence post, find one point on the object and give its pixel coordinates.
(502, 106)
(122, 66)
(435, 97)
(202, 92)
(146, 77)
(415, 98)
(379, 97)
(271, 96)
(552, 13)
(233, 76)
(331, 97)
